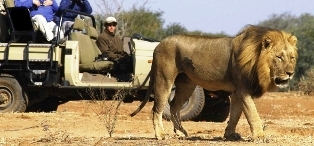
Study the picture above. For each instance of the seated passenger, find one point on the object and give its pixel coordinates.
(42, 12)
(111, 46)
(68, 18)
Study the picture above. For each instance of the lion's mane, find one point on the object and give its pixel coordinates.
(254, 67)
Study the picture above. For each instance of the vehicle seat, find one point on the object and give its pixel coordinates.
(21, 23)
(127, 45)
(93, 34)
(88, 62)
(22, 28)
(9, 3)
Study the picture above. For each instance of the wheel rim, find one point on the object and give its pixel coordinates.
(5, 97)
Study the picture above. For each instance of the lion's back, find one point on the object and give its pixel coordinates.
(195, 46)
(204, 59)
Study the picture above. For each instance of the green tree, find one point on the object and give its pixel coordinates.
(305, 34)
(140, 20)
(284, 21)
(177, 28)
(172, 29)
(136, 20)
(198, 32)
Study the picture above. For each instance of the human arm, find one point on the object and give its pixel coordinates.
(55, 6)
(52, 3)
(65, 4)
(26, 3)
(71, 5)
(86, 7)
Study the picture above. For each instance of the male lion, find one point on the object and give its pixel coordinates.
(258, 59)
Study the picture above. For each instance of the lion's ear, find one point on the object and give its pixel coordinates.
(293, 40)
(266, 42)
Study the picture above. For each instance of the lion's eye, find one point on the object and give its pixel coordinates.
(280, 58)
(292, 58)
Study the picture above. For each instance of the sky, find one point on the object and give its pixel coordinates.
(215, 16)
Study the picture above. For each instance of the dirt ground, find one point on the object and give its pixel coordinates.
(287, 117)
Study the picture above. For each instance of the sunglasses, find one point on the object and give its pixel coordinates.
(111, 24)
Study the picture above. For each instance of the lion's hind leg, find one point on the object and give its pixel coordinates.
(160, 100)
(184, 89)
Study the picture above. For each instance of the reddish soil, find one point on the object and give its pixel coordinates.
(287, 117)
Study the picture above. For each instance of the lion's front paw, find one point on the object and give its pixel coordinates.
(181, 135)
(162, 136)
(232, 136)
(181, 132)
(261, 138)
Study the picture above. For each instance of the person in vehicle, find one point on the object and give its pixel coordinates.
(42, 12)
(68, 18)
(111, 46)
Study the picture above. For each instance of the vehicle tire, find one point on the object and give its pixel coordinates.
(191, 109)
(12, 97)
(217, 106)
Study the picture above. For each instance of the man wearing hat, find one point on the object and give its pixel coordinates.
(111, 45)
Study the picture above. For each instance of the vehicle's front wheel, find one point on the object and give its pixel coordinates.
(12, 97)
(191, 109)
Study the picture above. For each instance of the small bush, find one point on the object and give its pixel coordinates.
(306, 84)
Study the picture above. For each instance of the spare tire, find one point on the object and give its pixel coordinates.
(191, 109)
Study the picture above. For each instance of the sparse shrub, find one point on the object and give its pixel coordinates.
(107, 110)
(306, 84)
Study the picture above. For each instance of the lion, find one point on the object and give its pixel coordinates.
(255, 61)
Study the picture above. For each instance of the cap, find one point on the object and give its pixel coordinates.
(111, 20)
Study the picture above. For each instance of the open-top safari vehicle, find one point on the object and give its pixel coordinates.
(32, 70)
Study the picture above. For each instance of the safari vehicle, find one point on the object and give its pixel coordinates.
(31, 70)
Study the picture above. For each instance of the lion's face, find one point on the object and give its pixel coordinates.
(280, 49)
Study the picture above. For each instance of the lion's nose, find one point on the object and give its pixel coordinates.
(290, 73)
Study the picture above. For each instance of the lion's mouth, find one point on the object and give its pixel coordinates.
(281, 83)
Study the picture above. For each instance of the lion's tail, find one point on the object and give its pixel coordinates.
(149, 91)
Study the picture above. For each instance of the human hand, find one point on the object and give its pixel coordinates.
(47, 3)
(117, 60)
(36, 2)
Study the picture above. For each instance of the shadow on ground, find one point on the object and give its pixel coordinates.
(47, 105)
